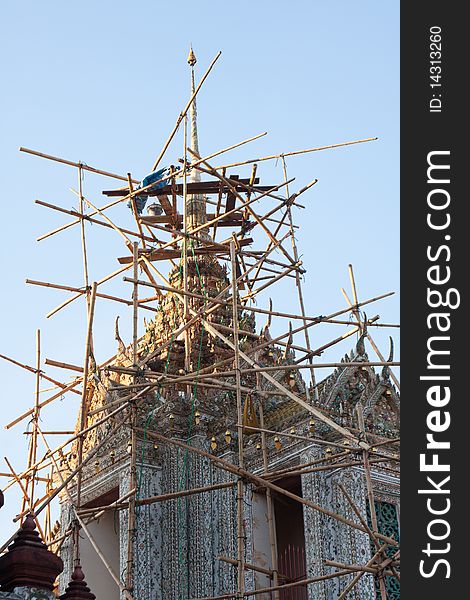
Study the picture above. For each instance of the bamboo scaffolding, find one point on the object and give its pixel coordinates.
(137, 397)
(211, 307)
(246, 269)
(370, 323)
(211, 222)
(246, 204)
(109, 205)
(372, 535)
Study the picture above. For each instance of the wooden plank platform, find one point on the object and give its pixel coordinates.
(235, 219)
(170, 253)
(197, 187)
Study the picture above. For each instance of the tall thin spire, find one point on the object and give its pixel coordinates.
(192, 60)
(196, 203)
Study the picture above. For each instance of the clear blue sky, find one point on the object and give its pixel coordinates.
(103, 82)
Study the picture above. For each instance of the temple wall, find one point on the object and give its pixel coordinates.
(148, 547)
(328, 539)
(28, 593)
(261, 545)
(106, 534)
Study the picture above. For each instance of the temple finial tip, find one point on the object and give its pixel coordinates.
(191, 57)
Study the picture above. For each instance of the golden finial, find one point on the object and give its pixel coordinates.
(191, 57)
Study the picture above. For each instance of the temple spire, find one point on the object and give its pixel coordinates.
(192, 60)
(196, 206)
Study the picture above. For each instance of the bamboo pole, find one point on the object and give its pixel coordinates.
(34, 437)
(131, 515)
(293, 316)
(82, 235)
(251, 139)
(33, 370)
(26, 498)
(85, 217)
(352, 567)
(155, 499)
(298, 284)
(81, 165)
(248, 566)
(134, 210)
(328, 467)
(104, 560)
(44, 403)
(294, 153)
(62, 365)
(270, 514)
(84, 406)
(288, 367)
(184, 247)
(370, 490)
(81, 291)
(285, 586)
(355, 580)
(113, 506)
(356, 313)
(241, 462)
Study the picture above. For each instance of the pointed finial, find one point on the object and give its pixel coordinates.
(191, 57)
(28, 562)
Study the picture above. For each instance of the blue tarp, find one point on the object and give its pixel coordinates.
(141, 200)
